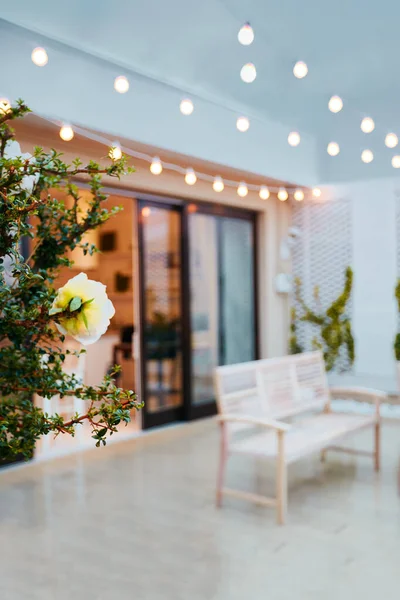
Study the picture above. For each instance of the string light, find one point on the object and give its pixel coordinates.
(316, 193)
(243, 124)
(121, 84)
(242, 190)
(39, 57)
(264, 192)
(190, 177)
(218, 184)
(115, 151)
(246, 35)
(367, 156)
(282, 195)
(333, 148)
(248, 73)
(367, 125)
(66, 133)
(156, 166)
(335, 104)
(391, 140)
(298, 195)
(293, 138)
(5, 106)
(146, 211)
(300, 69)
(186, 107)
(396, 161)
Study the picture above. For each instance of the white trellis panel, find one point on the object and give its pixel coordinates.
(321, 256)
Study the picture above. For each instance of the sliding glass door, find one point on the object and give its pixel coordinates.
(222, 299)
(198, 303)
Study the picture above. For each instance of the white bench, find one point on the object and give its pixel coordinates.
(255, 398)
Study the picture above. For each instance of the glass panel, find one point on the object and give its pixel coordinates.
(237, 292)
(222, 297)
(204, 305)
(162, 281)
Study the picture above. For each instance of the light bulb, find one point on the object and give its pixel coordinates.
(246, 35)
(115, 152)
(186, 107)
(298, 195)
(391, 140)
(243, 124)
(146, 211)
(242, 190)
(293, 138)
(121, 84)
(335, 104)
(316, 193)
(367, 125)
(396, 161)
(248, 73)
(283, 195)
(5, 106)
(218, 184)
(190, 177)
(39, 57)
(264, 192)
(300, 69)
(367, 156)
(156, 166)
(66, 133)
(333, 149)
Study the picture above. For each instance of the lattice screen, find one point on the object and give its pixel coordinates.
(321, 256)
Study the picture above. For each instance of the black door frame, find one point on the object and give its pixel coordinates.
(187, 411)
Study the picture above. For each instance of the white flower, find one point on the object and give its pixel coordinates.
(84, 308)
(13, 150)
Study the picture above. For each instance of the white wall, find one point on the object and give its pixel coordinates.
(374, 240)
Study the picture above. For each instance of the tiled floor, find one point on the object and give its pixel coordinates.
(137, 521)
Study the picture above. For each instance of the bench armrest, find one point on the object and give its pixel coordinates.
(268, 423)
(358, 391)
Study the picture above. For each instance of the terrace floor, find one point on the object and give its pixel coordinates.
(137, 520)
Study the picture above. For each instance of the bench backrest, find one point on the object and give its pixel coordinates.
(274, 388)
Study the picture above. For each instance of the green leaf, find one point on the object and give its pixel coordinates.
(75, 304)
(55, 311)
(87, 302)
(85, 320)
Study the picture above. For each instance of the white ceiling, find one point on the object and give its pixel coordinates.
(352, 48)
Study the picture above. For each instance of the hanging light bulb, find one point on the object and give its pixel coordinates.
(121, 84)
(218, 184)
(146, 211)
(248, 73)
(396, 161)
(333, 148)
(264, 192)
(300, 69)
(391, 140)
(115, 152)
(156, 166)
(367, 125)
(243, 124)
(39, 57)
(367, 156)
(316, 193)
(246, 35)
(190, 177)
(66, 133)
(283, 195)
(293, 138)
(335, 104)
(186, 107)
(298, 195)
(5, 106)
(242, 190)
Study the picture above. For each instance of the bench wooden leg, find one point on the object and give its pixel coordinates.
(377, 452)
(223, 456)
(281, 481)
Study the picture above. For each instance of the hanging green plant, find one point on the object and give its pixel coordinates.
(334, 326)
